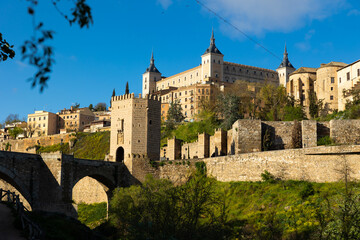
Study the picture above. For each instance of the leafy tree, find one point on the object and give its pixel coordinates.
(30, 129)
(6, 50)
(127, 88)
(91, 107)
(315, 105)
(100, 107)
(35, 50)
(15, 132)
(76, 105)
(175, 112)
(12, 118)
(273, 99)
(159, 210)
(228, 107)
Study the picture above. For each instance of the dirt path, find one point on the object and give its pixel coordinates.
(7, 229)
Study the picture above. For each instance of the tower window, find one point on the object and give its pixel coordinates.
(332, 80)
(145, 86)
(219, 61)
(214, 60)
(348, 76)
(331, 97)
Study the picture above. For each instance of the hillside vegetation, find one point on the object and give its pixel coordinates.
(86, 145)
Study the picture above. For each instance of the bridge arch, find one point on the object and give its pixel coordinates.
(12, 178)
(107, 187)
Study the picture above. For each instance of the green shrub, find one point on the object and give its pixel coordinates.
(268, 177)
(327, 141)
(201, 167)
(92, 214)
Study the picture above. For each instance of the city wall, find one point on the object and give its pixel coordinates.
(317, 164)
(27, 145)
(248, 136)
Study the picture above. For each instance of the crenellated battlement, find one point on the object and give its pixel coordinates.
(132, 96)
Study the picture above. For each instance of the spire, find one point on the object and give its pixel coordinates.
(212, 39)
(212, 48)
(285, 62)
(152, 57)
(152, 67)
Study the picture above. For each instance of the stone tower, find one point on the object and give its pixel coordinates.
(212, 62)
(135, 128)
(285, 69)
(150, 76)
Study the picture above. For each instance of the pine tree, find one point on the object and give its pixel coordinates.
(127, 88)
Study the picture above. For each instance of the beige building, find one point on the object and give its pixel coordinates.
(213, 70)
(326, 85)
(42, 123)
(102, 115)
(74, 119)
(301, 85)
(135, 128)
(348, 79)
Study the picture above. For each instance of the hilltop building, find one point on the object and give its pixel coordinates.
(201, 83)
(348, 79)
(42, 123)
(74, 119)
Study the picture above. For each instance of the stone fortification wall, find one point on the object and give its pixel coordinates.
(309, 133)
(246, 135)
(281, 134)
(318, 164)
(190, 150)
(345, 131)
(27, 145)
(218, 143)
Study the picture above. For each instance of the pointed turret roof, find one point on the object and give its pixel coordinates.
(152, 67)
(285, 62)
(212, 48)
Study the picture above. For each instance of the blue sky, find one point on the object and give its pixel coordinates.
(90, 63)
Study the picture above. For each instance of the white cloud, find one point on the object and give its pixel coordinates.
(260, 16)
(354, 12)
(164, 3)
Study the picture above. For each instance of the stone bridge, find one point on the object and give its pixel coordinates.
(46, 181)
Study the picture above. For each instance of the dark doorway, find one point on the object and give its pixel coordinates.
(120, 154)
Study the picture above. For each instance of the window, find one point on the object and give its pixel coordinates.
(29, 119)
(39, 118)
(332, 88)
(331, 97)
(145, 79)
(44, 125)
(358, 72)
(339, 79)
(145, 86)
(214, 61)
(33, 119)
(216, 75)
(348, 76)
(219, 61)
(332, 80)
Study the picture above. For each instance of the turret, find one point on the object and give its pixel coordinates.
(150, 77)
(212, 61)
(285, 69)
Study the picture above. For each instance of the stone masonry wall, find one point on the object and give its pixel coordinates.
(309, 133)
(27, 145)
(281, 133)
(317, 164)
(246, 136)
(345, 131)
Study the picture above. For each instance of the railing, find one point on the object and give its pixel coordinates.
(33, 230)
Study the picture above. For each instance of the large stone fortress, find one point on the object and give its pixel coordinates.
(135, 128)
(201, 82)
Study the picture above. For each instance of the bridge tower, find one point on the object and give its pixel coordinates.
(135, 128)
